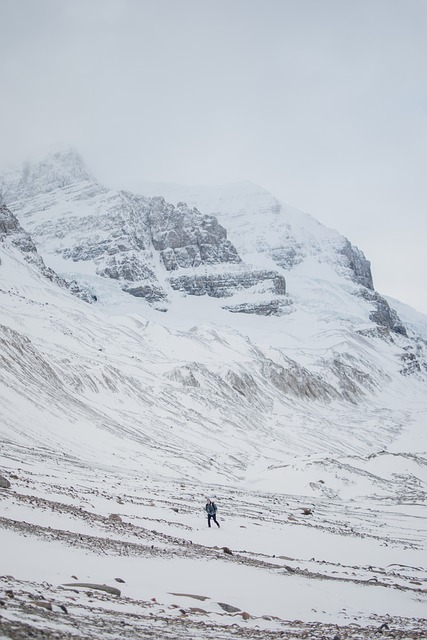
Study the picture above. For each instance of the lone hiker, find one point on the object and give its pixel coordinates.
(211, 510)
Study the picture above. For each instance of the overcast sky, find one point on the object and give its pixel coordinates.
(323, 102)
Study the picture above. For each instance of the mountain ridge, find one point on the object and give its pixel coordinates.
(129, 254)
(346, 368)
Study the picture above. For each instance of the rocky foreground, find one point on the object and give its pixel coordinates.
(38, 611)
(123, 523)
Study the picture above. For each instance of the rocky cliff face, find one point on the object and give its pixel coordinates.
(155, 250)
(139, 242)
(223, 285)
(269, 284)
(12, 232)
(186, 238)
(358, 265)
(382, 314)
(257, 223)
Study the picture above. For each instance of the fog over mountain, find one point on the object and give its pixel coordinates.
(173, 343)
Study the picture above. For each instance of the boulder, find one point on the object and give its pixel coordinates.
(4, 483)
(115, 517)
(100, 587)
(228, 607)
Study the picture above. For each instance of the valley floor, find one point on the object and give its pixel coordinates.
(94, 552)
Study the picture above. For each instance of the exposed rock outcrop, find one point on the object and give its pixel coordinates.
(274, 307)
(228, 607)
(99, 587)
(358, 264)
(382, 314)
(11, 231)
(223, 285)
(297, 381)
(186, 238)
(287, 257)
(135, 240)
(4, 483)
(414, 357)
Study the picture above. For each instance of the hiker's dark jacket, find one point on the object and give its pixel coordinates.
(211, 508)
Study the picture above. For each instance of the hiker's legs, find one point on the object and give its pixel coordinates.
(215, 520)
(209, 519)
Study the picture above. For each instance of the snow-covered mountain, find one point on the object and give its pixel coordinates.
(180, 342)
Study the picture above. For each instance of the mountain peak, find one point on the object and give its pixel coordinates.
(60, 167)
(63, 155)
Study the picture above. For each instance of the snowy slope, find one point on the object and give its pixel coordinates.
(124, 374)
(307, 427)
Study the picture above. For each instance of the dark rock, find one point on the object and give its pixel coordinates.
(271, 308)
(115, 517)
(227, 551)
(186, 238)
(149, 292)
(358, 264)
(80, 291)
(100, 587)
(119, 580)
(382, 314)
(190, 595)
(223, 285)
(11, 231)
(307, 512)
(288, 568)
(414, 358)
(228, 607)
(4, 483)
(127, 266)
(198, 610)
